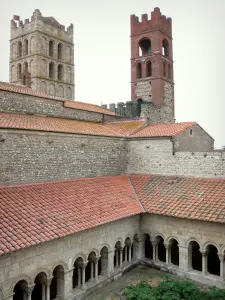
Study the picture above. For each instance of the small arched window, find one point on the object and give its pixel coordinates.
(139, 70)
(164, 69)
(60, 72)
(25, 66)
(149, 69)
(51, 48)
(19, 71)
(144, 47)
(19, 49)
(24, 80)
(169, 71)
(60, 47)
(26, 47)
(51, 70)
(165, 48)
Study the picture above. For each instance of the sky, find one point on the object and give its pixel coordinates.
(102, 51)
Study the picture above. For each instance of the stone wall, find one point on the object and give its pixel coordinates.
(19, 103)
(27, 157)
(156, 157)
(194, 139)
(27, 263)
(160, 114)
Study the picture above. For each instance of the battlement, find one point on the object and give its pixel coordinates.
(36, 21)
(157, 20)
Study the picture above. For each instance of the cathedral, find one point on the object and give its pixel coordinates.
(87, 192)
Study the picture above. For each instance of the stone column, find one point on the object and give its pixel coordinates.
(29, 290)
(48, 284)
(96, 267)
(68, 283)
(204, 262)
(221, 258)
(121, 257)
(79, 276)
(43, 291)
(183, 258)
(117, 258)
(139, 247)
(125, 249)
(129, 252)
(83, 266)
(153, 250)
(110, 263)
(167, 253)
(92, 270)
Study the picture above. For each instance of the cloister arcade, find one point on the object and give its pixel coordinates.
(88, 270)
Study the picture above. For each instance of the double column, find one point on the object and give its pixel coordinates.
(94, 268)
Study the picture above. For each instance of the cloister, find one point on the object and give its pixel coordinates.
(98, 265)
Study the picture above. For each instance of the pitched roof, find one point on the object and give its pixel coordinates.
(182, 197)
(37, 213)
(117, 129)
(157, 130)
(5, 86)
(126, 127)
(52, 124)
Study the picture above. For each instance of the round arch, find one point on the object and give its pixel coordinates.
(204, 248)
(95, 250)
(170, 238)
(192, 239)
(60, 263)
(22, 277)
(80, 255)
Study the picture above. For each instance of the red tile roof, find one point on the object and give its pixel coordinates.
(126, 128)
(190, 198)
(157, 130)
(117, 129)
(67, 103)
(52, 124)
(37, 213)
(89, 107)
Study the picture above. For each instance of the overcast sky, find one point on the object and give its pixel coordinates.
(102, 51)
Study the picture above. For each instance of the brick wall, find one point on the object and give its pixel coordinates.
(14, 102)
(156, 157)
(27, 157)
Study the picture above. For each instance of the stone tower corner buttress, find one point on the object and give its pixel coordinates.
(42, 55)
(152, 77)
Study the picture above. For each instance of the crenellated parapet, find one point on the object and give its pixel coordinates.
(38, 22)
(157, 20)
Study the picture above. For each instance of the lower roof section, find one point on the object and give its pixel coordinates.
(36, 213)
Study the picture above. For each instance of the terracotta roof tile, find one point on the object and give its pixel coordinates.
(89, 107)
(158, 130)
(191, 198)
(15, 121)
(117, 129)
(5, 86)
(126, 128)
(37, 213)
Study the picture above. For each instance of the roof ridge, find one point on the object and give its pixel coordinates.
(137, 198)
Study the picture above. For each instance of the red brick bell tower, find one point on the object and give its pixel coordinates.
(152, 60)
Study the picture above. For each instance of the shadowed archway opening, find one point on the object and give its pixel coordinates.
(213, 261)
(57, 284)
(174, 252)
(148, 247)
(77, 272)
(161, 249)
(103, 262)
(39, 291)
(195, 256)
(20, 290)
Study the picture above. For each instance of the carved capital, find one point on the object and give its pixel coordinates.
(139, 237)
(221, 257)
(29, 289)
(84, 264)
(203, 252)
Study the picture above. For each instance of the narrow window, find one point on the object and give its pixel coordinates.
(19, 71)
(19, 49)
(139, 70)
(149, 69)
(60, 72)
(26, 47)
(144, 47)
(169, 71)
(25, 66)
(190, 131)
(60, 51)
(165, 48)
(51, 70)
(51, 48)
(164, 69)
